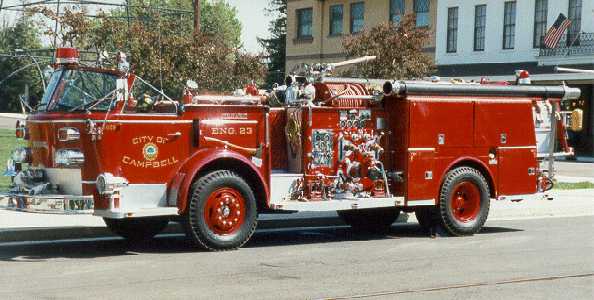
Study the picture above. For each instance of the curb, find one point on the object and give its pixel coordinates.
(72, 233)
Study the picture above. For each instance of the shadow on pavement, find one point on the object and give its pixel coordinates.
(177, 243)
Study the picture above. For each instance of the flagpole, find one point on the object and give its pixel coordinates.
(573, 42)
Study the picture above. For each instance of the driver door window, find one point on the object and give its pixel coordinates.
(146, 100)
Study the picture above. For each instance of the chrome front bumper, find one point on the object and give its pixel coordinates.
(47, 204)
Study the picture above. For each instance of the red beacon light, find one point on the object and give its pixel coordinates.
(67, 56)
(523, 77)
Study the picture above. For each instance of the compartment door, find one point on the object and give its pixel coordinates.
(421, 177)
(517, 170)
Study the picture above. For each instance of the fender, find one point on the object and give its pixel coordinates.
(474, 160)
(201, 158)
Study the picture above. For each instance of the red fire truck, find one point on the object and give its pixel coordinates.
(107, 142)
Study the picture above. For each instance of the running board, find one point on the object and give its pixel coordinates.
(338, 204)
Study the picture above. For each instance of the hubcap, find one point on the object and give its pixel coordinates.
(224, 211)
(465, 202)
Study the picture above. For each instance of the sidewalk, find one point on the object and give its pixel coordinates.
(16, 226)
(573, 171)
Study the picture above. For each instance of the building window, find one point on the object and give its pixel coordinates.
(480, 21)
(540, 22)
(452, 36)
(509, 25)
(304, 22)
(421, 8)
(396, 10)
(575, 15)
(336, 16)
(357, 17)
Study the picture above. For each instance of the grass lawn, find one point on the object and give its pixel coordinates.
(573, 186)
(8, 142)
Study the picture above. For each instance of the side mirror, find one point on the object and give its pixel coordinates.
(122, 87)
(191, 84)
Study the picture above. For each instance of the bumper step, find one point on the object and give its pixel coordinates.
(47, 204)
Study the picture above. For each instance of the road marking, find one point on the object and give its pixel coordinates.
(461, 286)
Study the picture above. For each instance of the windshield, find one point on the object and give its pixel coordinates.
(75, 89)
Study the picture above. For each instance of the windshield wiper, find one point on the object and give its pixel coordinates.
(91, 104)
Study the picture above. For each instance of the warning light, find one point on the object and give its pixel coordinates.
(523, 77)
(67, 56)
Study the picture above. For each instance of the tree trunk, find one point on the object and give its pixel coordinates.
(196, 16)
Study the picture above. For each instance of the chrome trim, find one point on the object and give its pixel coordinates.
(517, 147)
(338, 204)
(168, 115)
(557, 154)
(267, 130)
(70, 134)
(226, 121)
(421, 149)
(114, 121)
(428, 202)
(141, 213)
(48, 204)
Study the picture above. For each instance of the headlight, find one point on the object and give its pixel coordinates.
(69, 157)
(67, 134)
(21, 155)
(107, 183)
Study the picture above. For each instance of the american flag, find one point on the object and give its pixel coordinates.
(551, 39)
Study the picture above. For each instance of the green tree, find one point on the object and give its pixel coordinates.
(21, 35)
(398, 49)
(276, 45)
(163, 48)
(218, 18)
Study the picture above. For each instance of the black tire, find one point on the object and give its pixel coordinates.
(427, 217)
(224, 186)
(464, 201)
(136, 230)
(370, 220)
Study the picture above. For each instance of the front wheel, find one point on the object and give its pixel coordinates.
(464, 201)
(374, 220)
(136, 230)
(222, 213)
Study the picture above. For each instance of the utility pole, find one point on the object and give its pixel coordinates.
(56, 25)
(196, 16)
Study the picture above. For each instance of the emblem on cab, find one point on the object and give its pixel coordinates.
(150, 151)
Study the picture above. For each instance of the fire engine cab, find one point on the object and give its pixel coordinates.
(107, 142)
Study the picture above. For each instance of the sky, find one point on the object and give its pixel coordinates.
(251, 14)
(254, 21)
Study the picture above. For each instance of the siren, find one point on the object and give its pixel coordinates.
(523, 77)
(67, 56)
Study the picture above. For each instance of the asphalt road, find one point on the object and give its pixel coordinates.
(524, 259)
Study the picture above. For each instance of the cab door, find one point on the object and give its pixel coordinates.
(150, 148)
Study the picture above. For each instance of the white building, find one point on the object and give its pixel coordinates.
(493, 38)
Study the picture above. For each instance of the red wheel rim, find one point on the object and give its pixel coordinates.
(224, 211)
(465, 202)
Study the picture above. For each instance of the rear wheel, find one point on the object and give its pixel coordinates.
(464, 201)
(373, 220)
(222, 213)
(136, 229)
